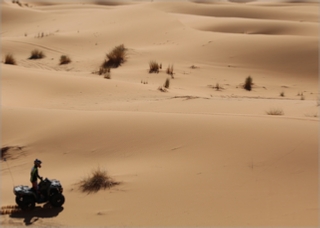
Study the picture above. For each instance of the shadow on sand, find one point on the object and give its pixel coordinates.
(31, 217)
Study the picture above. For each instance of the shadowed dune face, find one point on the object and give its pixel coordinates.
(262, 27)
(203, 152)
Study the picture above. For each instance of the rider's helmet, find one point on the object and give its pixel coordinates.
(37, 162)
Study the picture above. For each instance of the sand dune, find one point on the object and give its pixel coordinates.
(204, 153)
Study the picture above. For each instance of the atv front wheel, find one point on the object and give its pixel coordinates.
(27, 204)
(57, 200)
(19, 200)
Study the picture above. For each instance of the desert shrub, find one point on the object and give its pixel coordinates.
(7, 154)
(64, 59)
(170, 70)
(115, 57)
(153, 67)
(275, 111)
(96, 181)
(9, 59)
(37, 54)
(282, 94)
(167, 83)
(4, 151)
(248, 83)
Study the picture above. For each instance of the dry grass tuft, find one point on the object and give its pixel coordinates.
(9, 59)
(275, 111)
(103, 70)
(16, 2)
(170, 70)
(36, 54)
(96, 181)
(153, 67)
(162, 89)
(116, 57)
(248, 83)
(217, 87)
(167, 83)
(64, 59)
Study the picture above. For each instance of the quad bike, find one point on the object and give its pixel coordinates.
(49, 191)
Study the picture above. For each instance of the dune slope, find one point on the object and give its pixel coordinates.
(202, 152)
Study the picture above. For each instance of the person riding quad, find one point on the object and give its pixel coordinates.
(35, 175)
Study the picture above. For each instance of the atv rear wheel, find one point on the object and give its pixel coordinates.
(27, 204)
(57, 200)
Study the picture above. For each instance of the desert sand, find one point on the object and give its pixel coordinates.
(194, 155)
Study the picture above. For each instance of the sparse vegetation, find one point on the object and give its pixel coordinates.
(248, 83)
(106, 72)
(275, 111)
(9, 59)
(153, 67)
(5, 152)
(170, 70)
(64, 59)
(162, 89)
(116, 57)
(218, 87)
(96, 181)
(301, 95)
(16, 2)
(42, 34)
(37, 54)
(282, 94)
(144, 82)
(103, 70)
(167, 83)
